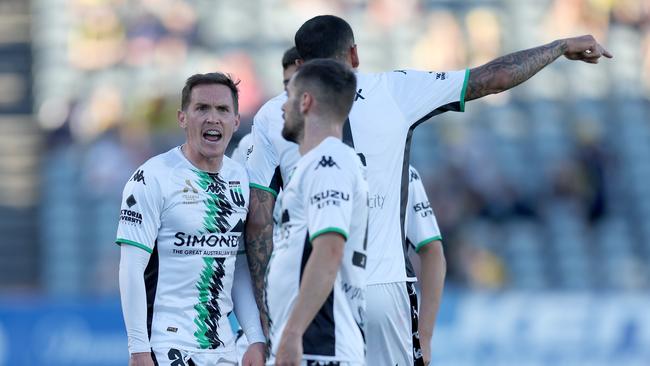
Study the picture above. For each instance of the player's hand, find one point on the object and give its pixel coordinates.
(585, 48)
(289, 350)
(254, 355)
(141, 359)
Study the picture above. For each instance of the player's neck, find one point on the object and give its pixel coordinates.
(316, 131)
(210, 165)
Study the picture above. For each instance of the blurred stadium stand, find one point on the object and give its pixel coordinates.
(539, 190)
(20, 138)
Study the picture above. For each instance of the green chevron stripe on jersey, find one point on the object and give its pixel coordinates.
(217, 211)
(218, 208)
(209, 287)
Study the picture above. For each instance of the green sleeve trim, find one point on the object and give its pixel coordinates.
(329, 230)
(135, 244)
(464, 90)
(270, 190)
(426, 241)
(239, 252)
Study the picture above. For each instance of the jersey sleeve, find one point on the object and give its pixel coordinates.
(421, 224)
(420, 94)
(140, 211)
(328, 189)
(263, 163)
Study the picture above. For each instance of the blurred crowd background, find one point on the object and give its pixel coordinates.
(541, 192)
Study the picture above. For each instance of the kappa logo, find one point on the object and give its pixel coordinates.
(414, 176)
(327, 162)
(213, 188)
(139, 177)
(358, 95)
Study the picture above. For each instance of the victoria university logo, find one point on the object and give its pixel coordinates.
(129, 216)
(327, 162)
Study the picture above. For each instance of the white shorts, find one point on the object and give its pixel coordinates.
(176, 357)
(391, 325)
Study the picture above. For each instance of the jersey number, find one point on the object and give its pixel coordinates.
(176, 356)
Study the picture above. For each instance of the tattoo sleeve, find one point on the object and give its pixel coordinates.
(511, 70)
(259, 245)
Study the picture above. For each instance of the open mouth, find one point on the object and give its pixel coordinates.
(212, 135)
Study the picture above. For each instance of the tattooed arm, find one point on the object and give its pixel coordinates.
(259, 245)
(511, 70)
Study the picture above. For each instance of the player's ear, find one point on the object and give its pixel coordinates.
(306, 102)
(354, 56)
(299, 62)
(237, 119)
(180, 116)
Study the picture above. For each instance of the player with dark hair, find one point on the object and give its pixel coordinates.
(388, 106)
(182, 268)
(316, 277)
(289, 65)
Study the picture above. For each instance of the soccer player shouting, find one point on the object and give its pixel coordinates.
(180, 232)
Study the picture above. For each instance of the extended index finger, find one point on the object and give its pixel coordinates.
(607, 53)
(604, 52)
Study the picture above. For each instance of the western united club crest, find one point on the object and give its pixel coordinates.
(236, 193)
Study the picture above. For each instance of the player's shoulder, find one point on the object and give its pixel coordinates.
(272, 109)
(369, 81)
(375, 86)
(158, 166)
(333, 153)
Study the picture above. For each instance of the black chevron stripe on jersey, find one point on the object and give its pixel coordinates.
(319, 338)
(151, 284)
(347, 133)
(404, 194)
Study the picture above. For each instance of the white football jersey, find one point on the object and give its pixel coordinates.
(421, 223)
(327, 192)
(191, 222)
(240, 152)
(271, 158)
(387, 107)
